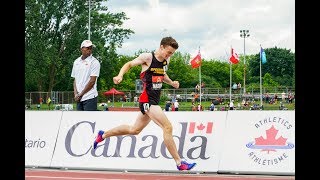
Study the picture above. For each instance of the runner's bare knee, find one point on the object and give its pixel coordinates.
(167, 128)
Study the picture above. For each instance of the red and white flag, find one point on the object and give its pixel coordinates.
(196, 61)
(234, 59)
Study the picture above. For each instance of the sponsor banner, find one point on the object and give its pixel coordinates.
(259, 142)
(41, 129)
(198, 136)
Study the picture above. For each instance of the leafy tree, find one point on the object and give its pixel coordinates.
(216, 73)
(55, 29)
(268, 81)
(280, 64)
(179, 71)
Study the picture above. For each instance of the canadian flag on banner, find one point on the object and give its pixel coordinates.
(234, 59)
(207, 128)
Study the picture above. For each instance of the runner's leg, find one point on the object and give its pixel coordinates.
(158, 116)
(141, 122)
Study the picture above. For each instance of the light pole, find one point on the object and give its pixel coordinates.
(89, 20)
(244, 34)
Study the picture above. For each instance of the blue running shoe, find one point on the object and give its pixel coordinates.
(186, 166)
(98, 139)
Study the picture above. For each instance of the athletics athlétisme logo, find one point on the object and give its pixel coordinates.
(271, 143)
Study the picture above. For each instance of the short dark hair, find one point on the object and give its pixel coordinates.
(169, 41)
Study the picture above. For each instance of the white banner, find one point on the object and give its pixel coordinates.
(198, 136)
(259, 142)
(41, 130)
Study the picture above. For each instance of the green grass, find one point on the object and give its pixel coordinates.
(184, 106)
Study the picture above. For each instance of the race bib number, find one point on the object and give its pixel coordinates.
(157, 82)
(146, 106)
(156, 86)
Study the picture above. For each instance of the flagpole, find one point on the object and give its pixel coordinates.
(200, 79)
(230, 79)
(230, 76)
(260, 79)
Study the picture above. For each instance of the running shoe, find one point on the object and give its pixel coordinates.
(185, 166)
(98, 139)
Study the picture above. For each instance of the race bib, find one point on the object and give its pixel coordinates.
(146, 106)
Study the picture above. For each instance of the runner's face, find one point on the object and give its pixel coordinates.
(167, 51)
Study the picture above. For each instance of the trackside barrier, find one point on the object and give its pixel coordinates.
(197, 135)
(256, 142)
(41, 132)
(261, 142)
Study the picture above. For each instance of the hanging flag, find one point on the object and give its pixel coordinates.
(196, 61)
(234, 59)
(263, 56)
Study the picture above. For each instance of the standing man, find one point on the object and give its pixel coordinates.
(153, 73)
(176, 105)
(85, 71)
(48, 102)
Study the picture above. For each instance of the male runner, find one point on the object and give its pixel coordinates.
(153, 74)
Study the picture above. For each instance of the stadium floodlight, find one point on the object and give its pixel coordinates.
(244, 34)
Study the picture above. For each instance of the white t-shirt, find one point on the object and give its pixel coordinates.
(176, 104)
(81, 71)
(231, 104)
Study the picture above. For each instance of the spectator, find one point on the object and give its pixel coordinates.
(85, 71)
(196, 96)
(234, 86)
(104, 106)
(176, 105)
(231, 105)
(254, 107)
(202, 86)
(281, 107)
(239, 85)
(167, 107)
(197, 88)
(124, 98)
(267, 97)
(135, 100)
(244, 102)
(193, 107)
(129, 97)
(283, 96)
(40, 100)
(199, 107)
(212, 106)
(290, 98)
(49, 102)
(172, 106)
(173, 99)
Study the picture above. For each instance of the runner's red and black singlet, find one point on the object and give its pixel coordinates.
(152, 80)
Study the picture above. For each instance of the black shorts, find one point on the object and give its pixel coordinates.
(146, 105)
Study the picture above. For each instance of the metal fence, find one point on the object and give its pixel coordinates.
(183, 94)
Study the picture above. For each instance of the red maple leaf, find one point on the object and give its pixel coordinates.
(201, 127)
(271, 138)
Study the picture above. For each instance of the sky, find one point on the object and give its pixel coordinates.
(213, 26)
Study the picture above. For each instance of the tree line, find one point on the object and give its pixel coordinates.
(55, 29)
